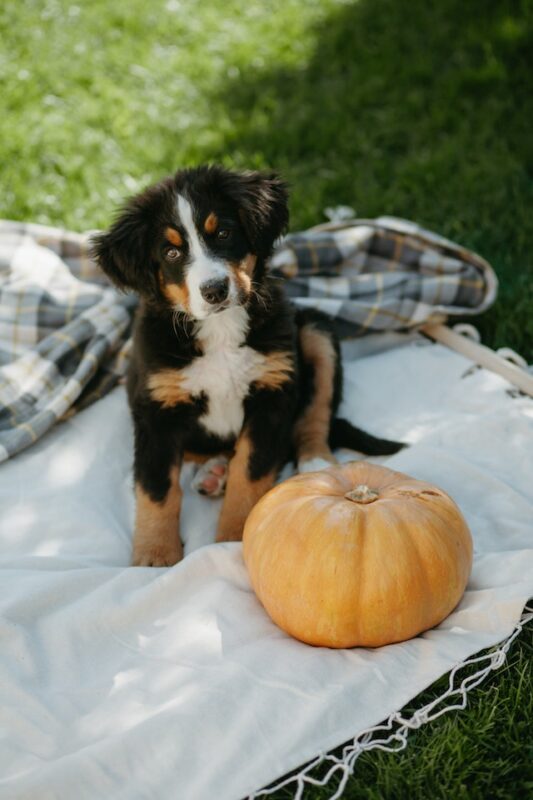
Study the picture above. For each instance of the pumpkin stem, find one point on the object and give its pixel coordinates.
(362, 494)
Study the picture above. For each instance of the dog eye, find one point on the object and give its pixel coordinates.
(223, 233)
(172, 254)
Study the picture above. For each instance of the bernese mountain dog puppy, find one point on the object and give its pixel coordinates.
(223, 366)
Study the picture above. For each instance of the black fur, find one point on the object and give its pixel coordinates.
(135, 253)
(343, 434)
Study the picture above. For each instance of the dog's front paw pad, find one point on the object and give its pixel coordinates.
(211, 477)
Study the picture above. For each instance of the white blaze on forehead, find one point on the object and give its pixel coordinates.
(203, 267)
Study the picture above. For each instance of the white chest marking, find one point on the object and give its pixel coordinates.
(225, 371)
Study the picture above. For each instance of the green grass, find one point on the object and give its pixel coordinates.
(485, 752)
(417, 109)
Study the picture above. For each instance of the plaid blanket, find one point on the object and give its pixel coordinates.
(65, 332)
(384, 274)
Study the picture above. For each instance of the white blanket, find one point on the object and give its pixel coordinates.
(119, 682)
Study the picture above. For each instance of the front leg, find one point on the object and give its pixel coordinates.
(156, 541)
(261, 450)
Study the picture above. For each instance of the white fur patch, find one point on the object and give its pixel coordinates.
(223, 331)
(203, 267)
(225, 371)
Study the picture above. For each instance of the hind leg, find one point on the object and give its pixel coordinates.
(321, 366)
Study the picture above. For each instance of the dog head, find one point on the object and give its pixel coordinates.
(196, 242)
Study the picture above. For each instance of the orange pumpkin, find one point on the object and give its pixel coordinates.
(357, 555)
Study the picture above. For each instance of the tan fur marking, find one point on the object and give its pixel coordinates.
(211, 223)
(311, 431)
(278, 369)
(173, 236)
(242, 273)
(242, 493)
(243, 281)
(248, 264)
(156, 541)
(165, 387)
(176, 294)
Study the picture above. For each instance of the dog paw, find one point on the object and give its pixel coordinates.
(230, 532)
(148, 554)
(210, 479)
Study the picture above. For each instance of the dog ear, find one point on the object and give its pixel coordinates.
(124, 251)
(120, 250)
(262, 198)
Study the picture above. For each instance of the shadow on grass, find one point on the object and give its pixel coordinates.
(414, 109)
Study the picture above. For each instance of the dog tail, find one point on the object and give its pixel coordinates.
(343, 434)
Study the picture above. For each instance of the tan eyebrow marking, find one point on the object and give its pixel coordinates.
(173, 236)
(211, 223)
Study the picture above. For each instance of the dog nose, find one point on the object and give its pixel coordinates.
(216, 290)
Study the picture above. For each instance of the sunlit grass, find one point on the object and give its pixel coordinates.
(101, 98)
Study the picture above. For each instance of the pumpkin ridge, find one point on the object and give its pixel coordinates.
(360, 567)
(446, 524)
(427, 589)
(394, 534)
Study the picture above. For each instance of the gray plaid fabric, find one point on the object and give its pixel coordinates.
(381, 275)
(65, 332)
